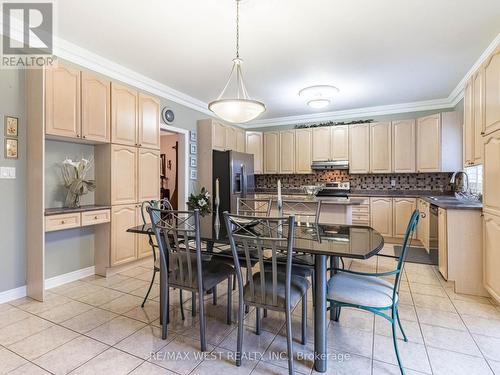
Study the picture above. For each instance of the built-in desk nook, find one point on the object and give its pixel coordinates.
(75, 113)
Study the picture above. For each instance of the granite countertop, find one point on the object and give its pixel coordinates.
(306, 199)
(65, 210)
(451, 203)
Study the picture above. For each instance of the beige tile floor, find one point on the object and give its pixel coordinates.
(96, 326)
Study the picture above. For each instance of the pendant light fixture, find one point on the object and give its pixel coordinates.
(239, 108)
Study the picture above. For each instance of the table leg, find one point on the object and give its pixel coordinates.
(164, 292)
(320, 353)
(334, 311)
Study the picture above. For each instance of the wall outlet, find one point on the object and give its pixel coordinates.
(393, 182)
(7, 172)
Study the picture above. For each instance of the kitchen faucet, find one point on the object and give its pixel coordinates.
(453, 182)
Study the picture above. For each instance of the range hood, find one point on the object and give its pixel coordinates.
(325, 165)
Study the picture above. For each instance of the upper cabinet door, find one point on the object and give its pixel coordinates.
(287, 154)
(123, 115)
(359, 148)
(491, 174)
(218, 136)
(231, 141)
(429, 144)
(271, 152)
(303, 150)
(240, 140)
(380, 147)
(62, 106)
(254, 146)
(492, 93)
(322, 145)
(340, 142)
(403, 146)
(468, 125)
(149, 176)
(478, 110)
(96, 108)
(149, 122)
(124, 174)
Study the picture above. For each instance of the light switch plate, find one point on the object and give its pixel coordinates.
(7, 172)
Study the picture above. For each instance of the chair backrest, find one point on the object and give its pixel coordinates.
(410, 230)
(261, 241)
(306, 213)
(253, 207)
(162, 204)
(179, 254)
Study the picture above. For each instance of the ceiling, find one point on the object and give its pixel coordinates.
(377, 53)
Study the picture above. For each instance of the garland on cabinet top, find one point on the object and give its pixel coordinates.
(333, 123)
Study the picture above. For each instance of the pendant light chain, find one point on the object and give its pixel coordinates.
(237, 29)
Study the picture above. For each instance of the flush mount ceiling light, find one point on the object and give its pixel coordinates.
(238, 108)
(318, 96)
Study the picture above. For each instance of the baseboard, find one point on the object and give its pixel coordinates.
(69, 277)
(12, 294)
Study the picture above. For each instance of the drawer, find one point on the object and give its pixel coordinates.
(361, 218)
(95, 217)
(62, 221)
(363, 208)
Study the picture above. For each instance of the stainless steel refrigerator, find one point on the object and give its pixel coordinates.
(236, 178)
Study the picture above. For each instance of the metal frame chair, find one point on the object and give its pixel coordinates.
(301, 209)
(253, 206)
(371, 283)
(163, 204)
(263, 239)
(174, 231)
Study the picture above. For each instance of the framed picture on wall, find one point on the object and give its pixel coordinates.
(11, 126)
(193, 162)
(192, 136)
(11, 151)
(193, 149)
(193, 174)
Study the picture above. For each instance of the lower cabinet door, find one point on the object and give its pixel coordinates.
(491, 241)
(381, 215)
(143, 247)
(403, 209)
(443, 243)
(123, 243)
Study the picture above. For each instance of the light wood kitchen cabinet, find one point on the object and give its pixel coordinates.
(321, 144)
(303, 150)
(218, 136)
(442, 243)
(469, 142)
(96, 108)
(255, 146)
(361, 213)
(240, 140)
(148, 177)
(123, 115)
(402, 210)
(403, 146)
(492, 93)
(287, 151)
(478, 115)
(491, 174)
(231, 138)
(149, 122)
(439, 143)
(423, 228)
(359, 148)
(381, 147)
(123, 174)
(381, 215)
(491, 241)
(271, 152)
(123, 243)
(62, 101)
(340, 142)
(429, 144)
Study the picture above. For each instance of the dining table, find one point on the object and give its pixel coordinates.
(318, 245)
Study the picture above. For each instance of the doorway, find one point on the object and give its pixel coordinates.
(174, 165)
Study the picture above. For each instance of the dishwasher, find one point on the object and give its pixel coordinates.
(433, 228)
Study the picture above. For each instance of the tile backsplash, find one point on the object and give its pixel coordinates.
(403, 181)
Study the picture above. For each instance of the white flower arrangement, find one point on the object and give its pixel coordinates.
(74, 173)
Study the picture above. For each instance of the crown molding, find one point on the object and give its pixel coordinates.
(87, 59)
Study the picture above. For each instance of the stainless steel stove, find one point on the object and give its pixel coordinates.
(336, 189)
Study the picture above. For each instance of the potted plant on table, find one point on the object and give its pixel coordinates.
(200, 201)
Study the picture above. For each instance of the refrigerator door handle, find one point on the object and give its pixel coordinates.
(243, 181)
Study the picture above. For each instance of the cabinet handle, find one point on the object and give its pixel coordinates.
(482, 133)
(422, 215)
(63, 222)
(78, 136)
(95, 217)
(84, 136)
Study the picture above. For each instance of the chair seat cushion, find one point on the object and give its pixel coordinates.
(297, 269)
(298, 287)
(213, 273)
(361, 290)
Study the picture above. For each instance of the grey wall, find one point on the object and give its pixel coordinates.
(12, 192)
